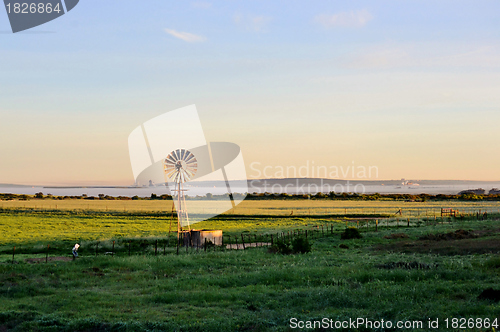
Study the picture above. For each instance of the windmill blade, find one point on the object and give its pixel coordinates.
(171, 159)
(177, 155)
(189, 158)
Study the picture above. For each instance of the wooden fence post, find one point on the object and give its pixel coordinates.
(272, 239)
(243, 241)
(47, 255)
(376, 225)
(156, 246)
(113, 250)
(13, 254)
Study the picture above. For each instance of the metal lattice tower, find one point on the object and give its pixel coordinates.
(180, 166)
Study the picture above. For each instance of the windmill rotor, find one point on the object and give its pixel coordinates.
(180, 166)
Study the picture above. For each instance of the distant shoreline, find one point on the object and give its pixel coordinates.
(260, 186)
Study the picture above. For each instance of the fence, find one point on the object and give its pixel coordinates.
(234, 241)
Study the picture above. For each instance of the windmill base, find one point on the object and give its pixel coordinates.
(196, 238)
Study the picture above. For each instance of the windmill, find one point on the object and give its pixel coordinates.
(180, 166)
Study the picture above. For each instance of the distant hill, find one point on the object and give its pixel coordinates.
(8, 185)
(332, 182)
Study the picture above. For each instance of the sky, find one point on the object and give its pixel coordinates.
(409, 87)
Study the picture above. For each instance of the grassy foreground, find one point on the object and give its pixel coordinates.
(254, 290)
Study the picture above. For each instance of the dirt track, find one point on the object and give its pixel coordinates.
(50, 259)
(446, 244)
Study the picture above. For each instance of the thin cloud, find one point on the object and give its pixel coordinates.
(186, 36)
(201, 5)
(252, 23)
(351, 19)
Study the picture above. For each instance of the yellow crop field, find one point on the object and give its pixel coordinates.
(265, 207)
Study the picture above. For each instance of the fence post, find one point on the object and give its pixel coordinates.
(243, 241)
(408, 223)
(306, 233)
(272, 242)
(236, 238)
(47, 255)
(376, 225)
(156, 246)
(113, 250)
(13, 254)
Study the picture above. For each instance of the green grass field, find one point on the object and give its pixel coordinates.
(241, 290)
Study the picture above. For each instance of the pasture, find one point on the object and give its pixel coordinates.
(301, 207)
(396, 273)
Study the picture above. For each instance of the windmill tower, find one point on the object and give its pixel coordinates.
(180, 166)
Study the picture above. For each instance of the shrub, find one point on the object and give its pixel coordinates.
(301, 245)
(493, 262)
(281, 247)
(350, 233)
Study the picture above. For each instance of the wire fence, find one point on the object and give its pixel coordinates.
(171, 244)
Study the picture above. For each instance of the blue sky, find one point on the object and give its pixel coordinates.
(408, 86)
